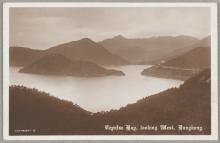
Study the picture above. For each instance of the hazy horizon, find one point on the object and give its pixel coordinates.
(102, 40)
(42, 28)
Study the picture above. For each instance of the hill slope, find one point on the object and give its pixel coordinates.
(20, 56)
(187, 105)
(183, 66)
(198, 58)
(57, 64)
(42, 113)
(87, 50)
(205, 42)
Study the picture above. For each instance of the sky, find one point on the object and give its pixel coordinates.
(42, 28)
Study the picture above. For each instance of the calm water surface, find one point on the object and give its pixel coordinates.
(98, 93)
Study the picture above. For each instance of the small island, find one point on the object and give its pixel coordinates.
(57, 64)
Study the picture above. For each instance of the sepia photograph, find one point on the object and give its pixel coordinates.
(110, 71)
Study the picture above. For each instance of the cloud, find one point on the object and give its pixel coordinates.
(45, 27)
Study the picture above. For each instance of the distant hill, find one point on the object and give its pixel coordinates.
(84, 50)
(197, 58)
(57, 64)
(88, 50)
(188, 105)
(205, 42)
(146, 50)
(21, 56)
(184, 66)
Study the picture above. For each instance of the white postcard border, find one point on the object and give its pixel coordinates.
(214, 72)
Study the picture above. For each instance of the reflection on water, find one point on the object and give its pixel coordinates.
(97, 93)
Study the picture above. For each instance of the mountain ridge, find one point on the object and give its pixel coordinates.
(138, 50)
(84, 49)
